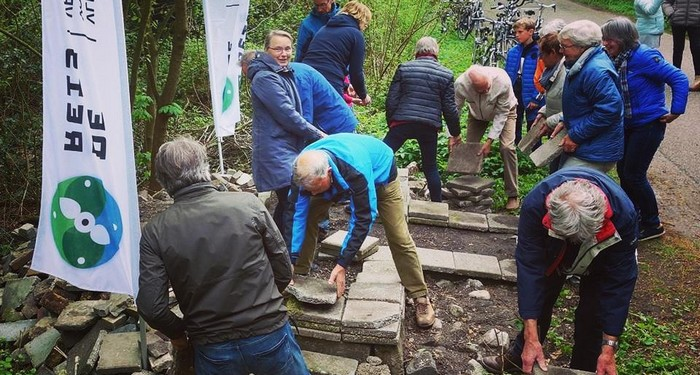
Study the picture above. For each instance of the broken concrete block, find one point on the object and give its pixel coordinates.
(313, 290)
(119, 354)
(548, 151)
(464, 159)
(532, 137)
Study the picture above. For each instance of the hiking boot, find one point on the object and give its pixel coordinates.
(425, 315)
(512, 204)
(651, 232)
(500, 364)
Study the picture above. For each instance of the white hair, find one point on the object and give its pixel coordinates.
(427, 44)
(309, 166)
(582, 33)
(553, 26)
(577, 209)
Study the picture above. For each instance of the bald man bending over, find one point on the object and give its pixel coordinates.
(489, 94)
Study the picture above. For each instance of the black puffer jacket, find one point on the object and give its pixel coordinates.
(225, 260)
(682, 12)
(422, 91)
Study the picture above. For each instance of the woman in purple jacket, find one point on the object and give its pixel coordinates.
(642, 78)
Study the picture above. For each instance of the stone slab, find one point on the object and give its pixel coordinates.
(313, 290)
(11, 331)
(509, 270)
(553, 370)
(381, 278)
(383, 253)
(548, 151)
(16, 291)
(332, 244)
(319, 363)
(474, 184)
(119, 353)
(436, 260)
(319, 334)
(499, 223)
(390, 331)
(373, 340)
(321, 314)
(393, 292)
(318, 326)
(428, 210)
(79, 315)
(161, 364)
(40, 348)
(370, 314)
(476, 265)
(356, 351)
(379, 267)
(155, 345)
(464, 159)
(531, 138)
(468, 220)
(422, 221)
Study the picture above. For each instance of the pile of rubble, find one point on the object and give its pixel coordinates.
(57, 328)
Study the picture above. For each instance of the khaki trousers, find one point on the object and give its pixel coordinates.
(476, 130)
(403, 249)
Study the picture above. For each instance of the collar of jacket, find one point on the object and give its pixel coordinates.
(265, 61)
(193, 190)
(585, 56)
(426, 56)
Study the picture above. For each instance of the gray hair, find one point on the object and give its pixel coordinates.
(273, 33)
(249, 56)
(622, 30)
(427, 45)
(181, 163)
(577, 209)
(582, 33)
(553, 26)
(309, 166)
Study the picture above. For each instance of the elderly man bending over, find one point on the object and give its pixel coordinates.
(577, 221)
(489, 94)
(362, 169)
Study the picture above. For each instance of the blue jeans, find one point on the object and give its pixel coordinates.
(274, 353)
(427, 136)
(641, 144)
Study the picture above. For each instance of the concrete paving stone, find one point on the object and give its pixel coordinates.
(40, 348)
(468, 220)
(509, 270)
(531, 138)
(388, 332)
(370, 314)
(379, 266)
(333, 243)
(313, 290)
(79, 315)
(428, 210)
(464, 159)
(322, 327)
(119, 353)
(11, 331)
(436, 260)
(383, 253)
(319, 363)
(476, 265)
(356, 351)
(322, 314)
(393, 292)
(373, 340)
(499, 223)
(382, 278)
(319, 334)
(422, 221)
(474, 184)
(422, 364)
(548, 151)
(554, 370)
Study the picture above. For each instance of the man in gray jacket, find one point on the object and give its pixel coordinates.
(227, 264)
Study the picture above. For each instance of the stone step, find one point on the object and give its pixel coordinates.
(324, 364)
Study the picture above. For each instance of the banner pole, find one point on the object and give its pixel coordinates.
(221, 155)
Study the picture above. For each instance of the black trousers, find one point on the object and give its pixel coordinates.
(679, 33)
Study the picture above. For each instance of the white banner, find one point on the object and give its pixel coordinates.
(225, 26)
(89, 226)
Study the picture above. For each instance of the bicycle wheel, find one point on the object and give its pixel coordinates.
(465, 24)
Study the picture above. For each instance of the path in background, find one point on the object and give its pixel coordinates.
(675, 171)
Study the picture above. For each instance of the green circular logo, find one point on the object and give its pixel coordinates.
(228, 95)
(85, 222)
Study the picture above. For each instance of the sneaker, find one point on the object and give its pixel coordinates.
(501, 364)
(651, 232)
(425, 315)
(512, 204)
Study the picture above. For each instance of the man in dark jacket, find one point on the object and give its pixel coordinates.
(318, 17)
(227, 264)
(421, 94)
(362, 169)
(577, 221)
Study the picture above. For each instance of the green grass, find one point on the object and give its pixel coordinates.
(621, 7)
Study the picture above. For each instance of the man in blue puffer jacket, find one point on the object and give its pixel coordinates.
(591, 102)
(318, 17)
(521, 64)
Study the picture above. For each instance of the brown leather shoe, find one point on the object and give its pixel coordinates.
(425, 315)
(695, 86)
(500, 364)
(512, 204)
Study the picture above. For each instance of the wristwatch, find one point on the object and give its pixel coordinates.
(612, 343)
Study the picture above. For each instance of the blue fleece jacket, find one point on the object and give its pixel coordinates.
(336, 47)
(359, 163)
(309, 27)
(615, 265)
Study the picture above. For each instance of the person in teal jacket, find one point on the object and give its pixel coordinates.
(650, 21)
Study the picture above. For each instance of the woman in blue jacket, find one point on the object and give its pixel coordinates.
(643, 75)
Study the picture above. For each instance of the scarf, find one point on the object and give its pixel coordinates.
(549, 75)
(620, 63)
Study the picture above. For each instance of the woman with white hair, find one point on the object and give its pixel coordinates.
(643, 76)
(421, 94)
(591, 102)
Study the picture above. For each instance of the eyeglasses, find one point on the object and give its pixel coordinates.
(564, 48)
(281, 49)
